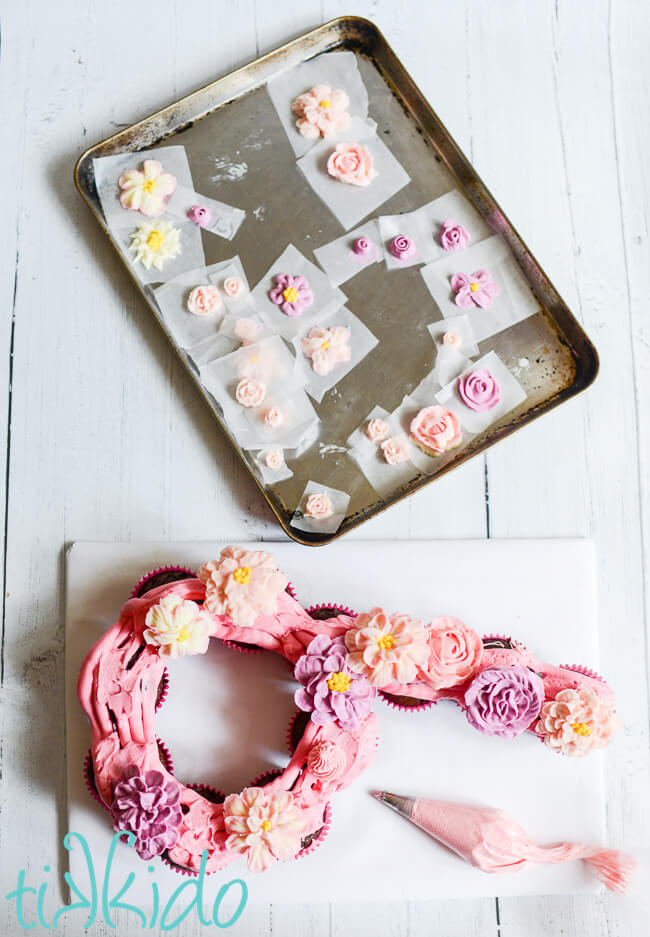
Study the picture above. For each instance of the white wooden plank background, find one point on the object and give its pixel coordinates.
(104, 437)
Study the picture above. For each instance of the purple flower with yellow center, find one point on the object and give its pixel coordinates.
(330, 691)
(291, 294)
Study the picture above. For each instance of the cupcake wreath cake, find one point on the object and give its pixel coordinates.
(342, 663)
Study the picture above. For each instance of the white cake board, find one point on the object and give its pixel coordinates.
(226, 715)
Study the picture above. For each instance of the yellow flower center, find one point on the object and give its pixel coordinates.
(149, 185)
(183, 635)
(474, 287)
(326, 102)
(267, 825)
(154, 241)
(242, 575)
(325, 346)
(386, 642)
(581, 728)
(339, 682)
(290, 295)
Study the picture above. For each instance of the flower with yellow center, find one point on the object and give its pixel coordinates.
(339, 682)
(153, 243)
(267, 826)
(325, 346)
(149, 186)
(326, 102)
(175, 627)
(474, 287)
(242, 575)
(290, 294)
(386, 648)
(386, 642)
(581, 728)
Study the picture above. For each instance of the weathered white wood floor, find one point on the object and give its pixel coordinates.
(104, 436)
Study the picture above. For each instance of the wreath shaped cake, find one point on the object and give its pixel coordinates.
(342, 663)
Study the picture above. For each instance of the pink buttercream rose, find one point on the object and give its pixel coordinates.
(386, 647)
(249, 392)
(377, 429)
(318, 506)
(452, 339)
(453, 236)
(273, 418)
(394, 451)
(351, 163)
(436, 430)
(203, 300)
(233, 287)
(242, 584)
(479, 390)
(577, 721)
(326, 761)
(455, 653)
(322, 110)
(273, 459)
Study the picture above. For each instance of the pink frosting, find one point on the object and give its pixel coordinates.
(479, 390)
(204, 300)
(326, 761)
(436, 429)
(455, 653)
(453, 236)
(264, 826)
(479, 289)
(327, 347)
(273, 458)
(318, 506)
(351, 163)
(386, 647)
(273, 418)
(577, 721)
(376, 430)
(363, 247)
(321, 111)
(200, 215)
(402, 247)
(394, 450)
(233, 287)
(249, 392)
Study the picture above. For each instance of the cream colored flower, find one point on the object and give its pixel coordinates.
(146, 190)
(154, 242)
(265, 826)
(177, 627)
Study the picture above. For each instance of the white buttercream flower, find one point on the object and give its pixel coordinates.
(177, 627)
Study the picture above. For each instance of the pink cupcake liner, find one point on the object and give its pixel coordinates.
(585, 671)
(242, 648)
(329, 607)
(290, 589)
(213, 794)
(299, 714)
(419, 707)
(137, 589)
(265, 777)
(497, 637)
(165, 756)
(322, 834)
(164, 689)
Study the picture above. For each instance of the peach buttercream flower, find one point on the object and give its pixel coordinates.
(146, 190)
(318, 506)
(242, 584)
(386, 647)
(436, 430)
(203, 300)
(452, 339)
(265, 827)
(351, 163)
(233, 287)
(327, 347)
(322, 110)
(376, 429)
(577, 721)
(273, 459)
(394, 450)
(249, 392)
(455, 653)
(273, 418)
(177, 627)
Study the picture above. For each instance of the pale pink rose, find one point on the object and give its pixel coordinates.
(452, 339)
(376, 430)
(577, 721)
(455, 653)
(323, 110)
(146, 190)
(204, 300)
(327, 347)
(246, 331)
(351, 163)
(318, 506)
(394, 450)
(273, 459)
(249, 392)
(386, 648)
(264, 826)
(436, 430)
(233, 287)
(453, 236)
(242, 584)
(273, 418)
(326, 761)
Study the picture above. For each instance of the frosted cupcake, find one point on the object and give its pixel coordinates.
(435, 430)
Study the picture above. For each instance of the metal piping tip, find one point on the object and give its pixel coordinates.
(401, 805)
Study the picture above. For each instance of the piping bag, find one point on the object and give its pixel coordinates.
(492, 841)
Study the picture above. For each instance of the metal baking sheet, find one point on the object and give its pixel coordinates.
(239, 153)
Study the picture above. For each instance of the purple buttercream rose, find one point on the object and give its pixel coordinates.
(504, 700)
(148, 806)
(330, 691)
(200, 215)
(453, 236)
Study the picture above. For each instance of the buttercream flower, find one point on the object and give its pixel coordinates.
(455, 653)
(479, 390)
(242, 584)
(435, 430)
(327, 347)
(577, 721)
(246, 330)
(322, 111)
(155, 242)
(351, 163)
(147, 805)
(326, 761)
(249, 392)
(146, 190)
(265, 827)
(330, 690)
(273, 459)
(394, 450)
(452, 339)
(200, 215)
(479, 289)
(363, 247)
(233, 287)
(504, 701)
(177, 627)
(273, 418)
(386, 647)
(203, 300)
(376, 429)
(453, 236)
(402, 247)
(292, 294)
(318, 506)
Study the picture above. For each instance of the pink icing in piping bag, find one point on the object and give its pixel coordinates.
(492, 841)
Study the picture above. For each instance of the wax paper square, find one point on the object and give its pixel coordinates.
(361, 341)
(233, 269)
(298, 415)
(454, 207)
(338, 259)
(187, 329)
(350, 204)
(328, 525)
(336, 69)
(270, 476)
(512, 394)
(458, 335)
(190, 256)
(225, 220)
(384, 478)
(327, 297)
(211, 348)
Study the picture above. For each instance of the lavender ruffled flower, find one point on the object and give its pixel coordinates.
(504, 700)
(330, 691)
(148, 806)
